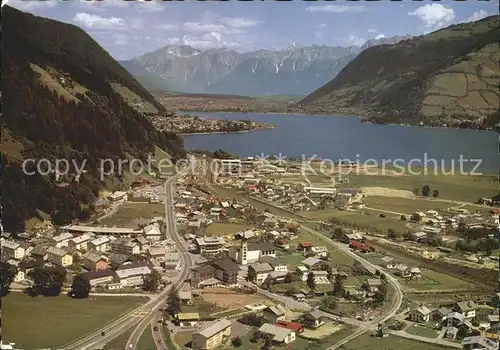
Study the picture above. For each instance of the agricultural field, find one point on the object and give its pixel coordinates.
(224, 229)
(128, 213)
(434, 280)
(457, 187)
(363, 219)
(52, 322)
(405, 205)
(367, 342)
(422, 331)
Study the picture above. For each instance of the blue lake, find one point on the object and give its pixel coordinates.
(347, 138)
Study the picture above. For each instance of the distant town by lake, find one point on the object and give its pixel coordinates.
(339, 137)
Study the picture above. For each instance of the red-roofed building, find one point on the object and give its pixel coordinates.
(305, 246)
(362, 247)
(294, 326)
(495, 211)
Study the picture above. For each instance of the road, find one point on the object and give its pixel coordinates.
(395, 303)
(96, 340)
(155, 315)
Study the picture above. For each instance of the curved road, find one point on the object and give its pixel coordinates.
(121, 325)
(395, 304)
(155, 314)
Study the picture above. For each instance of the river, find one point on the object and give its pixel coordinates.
(338, 137)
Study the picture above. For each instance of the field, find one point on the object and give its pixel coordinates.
(224, 229)
(422, 331)
(456, 187)
(126, 215)
(404, 205)
(366, 342)
(227, 299)
(435, 280)
(34, 323)
(371, 220)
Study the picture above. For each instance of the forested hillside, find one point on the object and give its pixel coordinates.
(450, 77)
(60, 101)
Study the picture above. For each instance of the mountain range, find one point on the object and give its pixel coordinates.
(448, 77)
(68, 99)
(294, 71)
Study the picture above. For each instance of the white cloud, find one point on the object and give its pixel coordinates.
(476, 16)
(323, 25)
(336, 8)
(197, 27)
(99, 5)
(97, 22)
(32, 5)
(380, 36)
(354, 40)
(121, 39)
(239, 22)
(318, 34)
(372, 31)
(434, 16)
(167, 26)
(149, 6)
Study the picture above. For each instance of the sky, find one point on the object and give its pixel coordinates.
(127, 29)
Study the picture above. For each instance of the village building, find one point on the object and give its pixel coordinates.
(59, 257)
(320, 251)
(248, 253)
(79, 242)
(314, 319)
(479, 342)
(212, 336)
(275, 313)
(302, 272)
(280, 335)
(421, 314)
(93, 261)
(101, 277)
(210, 246)
(12, 249)
(101, 244)
(152, 232)
(315, 264)
(132, 275)
(466, 308)
(125, 246)
(221, 272)
(62, 240)
(172, 261)
(261, 271)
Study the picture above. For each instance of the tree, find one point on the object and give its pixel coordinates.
(251, 275)
(152, 281)
(329, 302)
(338, 233)
(435, 193)
(330, 273)
(47, 281)
(173, 303)
(381, 294)
(7, 274)
(426, 190)
(237, 342)
(403, 218)
(338, 286)
(81, 287)
(288, 278)
(310, 281)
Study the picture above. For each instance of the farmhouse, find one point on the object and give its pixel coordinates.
(421, 314)
(280, 335)
(212, 336)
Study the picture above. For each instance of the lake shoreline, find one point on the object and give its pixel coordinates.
(226, 132)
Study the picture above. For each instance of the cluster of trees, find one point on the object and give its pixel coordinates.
(426, 191)
(100, 125)
(7, 274)
(47, 281)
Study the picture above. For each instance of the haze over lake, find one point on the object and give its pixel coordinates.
(346, 137)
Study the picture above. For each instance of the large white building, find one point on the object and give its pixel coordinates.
(249, 253)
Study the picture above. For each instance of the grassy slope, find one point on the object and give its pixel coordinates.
(451, 72)
(35, 323)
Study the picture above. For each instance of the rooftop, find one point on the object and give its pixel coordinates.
(215, 328)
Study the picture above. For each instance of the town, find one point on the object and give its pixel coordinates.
(253, 268)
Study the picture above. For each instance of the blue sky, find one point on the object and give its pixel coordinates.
(128, 29)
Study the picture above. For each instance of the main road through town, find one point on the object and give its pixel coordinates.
(142, 315)
(155, 314)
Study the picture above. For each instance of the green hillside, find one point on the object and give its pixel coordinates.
(450, 76)
(66, 98)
